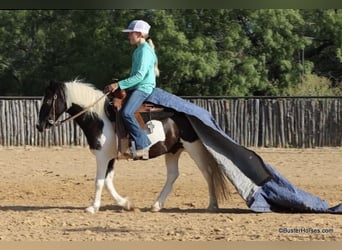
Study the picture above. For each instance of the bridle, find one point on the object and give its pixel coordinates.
(53, 107)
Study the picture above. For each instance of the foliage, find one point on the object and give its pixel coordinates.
(200, 52)
(313, 85)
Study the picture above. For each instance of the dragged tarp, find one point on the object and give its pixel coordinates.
(259, 184)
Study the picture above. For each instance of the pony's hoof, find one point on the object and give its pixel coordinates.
(156, 208)
(213, 209)
(92, 209)
(128, 205)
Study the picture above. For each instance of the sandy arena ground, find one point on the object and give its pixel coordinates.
(43, 193)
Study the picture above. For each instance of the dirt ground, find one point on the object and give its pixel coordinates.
(44, 191)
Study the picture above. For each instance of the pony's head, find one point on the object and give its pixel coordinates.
(53, 105)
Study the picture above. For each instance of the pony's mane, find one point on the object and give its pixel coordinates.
(84, 94)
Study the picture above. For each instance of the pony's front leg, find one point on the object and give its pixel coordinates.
(123, 202)
(99, 183)
(104, 176)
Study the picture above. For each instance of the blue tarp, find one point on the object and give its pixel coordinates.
(279, 194)
(267, 190)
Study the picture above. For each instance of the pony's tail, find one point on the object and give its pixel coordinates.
(220, 183)
(156, 69)
(219, 180)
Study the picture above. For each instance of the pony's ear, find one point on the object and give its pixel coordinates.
(53, 84)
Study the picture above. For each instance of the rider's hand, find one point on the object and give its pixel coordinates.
(111, 87)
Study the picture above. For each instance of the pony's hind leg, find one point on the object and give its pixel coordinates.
(172, 174)
(202, 159)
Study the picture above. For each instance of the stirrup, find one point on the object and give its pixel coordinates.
(140, 154)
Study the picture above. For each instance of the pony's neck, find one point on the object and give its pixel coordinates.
(91, 125)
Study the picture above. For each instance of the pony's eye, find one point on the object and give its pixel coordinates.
(48, 101)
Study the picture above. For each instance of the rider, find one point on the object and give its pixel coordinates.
(140, 84)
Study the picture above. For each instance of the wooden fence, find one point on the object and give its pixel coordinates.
(18, 126)
(279, 122)
(252, 122)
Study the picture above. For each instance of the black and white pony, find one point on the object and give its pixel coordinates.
(172, 136)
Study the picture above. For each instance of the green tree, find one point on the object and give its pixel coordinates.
(200, 52)
(324, 29)
(15, 49)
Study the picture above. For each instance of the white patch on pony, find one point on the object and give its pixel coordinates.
(84, 94)
(157, 134)
(102, 139)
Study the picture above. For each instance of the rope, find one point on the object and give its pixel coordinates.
(57, 123)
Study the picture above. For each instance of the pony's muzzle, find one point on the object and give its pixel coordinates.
(41, 125)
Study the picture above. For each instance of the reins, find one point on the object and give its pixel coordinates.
(57, 123)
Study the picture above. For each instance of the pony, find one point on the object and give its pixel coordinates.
(172, 136)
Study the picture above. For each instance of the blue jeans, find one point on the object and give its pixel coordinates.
(139, 136)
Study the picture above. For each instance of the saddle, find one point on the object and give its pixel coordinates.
(144, 114)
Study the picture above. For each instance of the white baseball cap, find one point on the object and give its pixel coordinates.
(138, 26)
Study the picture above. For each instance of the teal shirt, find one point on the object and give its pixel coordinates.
(142, 74)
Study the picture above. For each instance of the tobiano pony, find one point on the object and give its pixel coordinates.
(171, 136)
